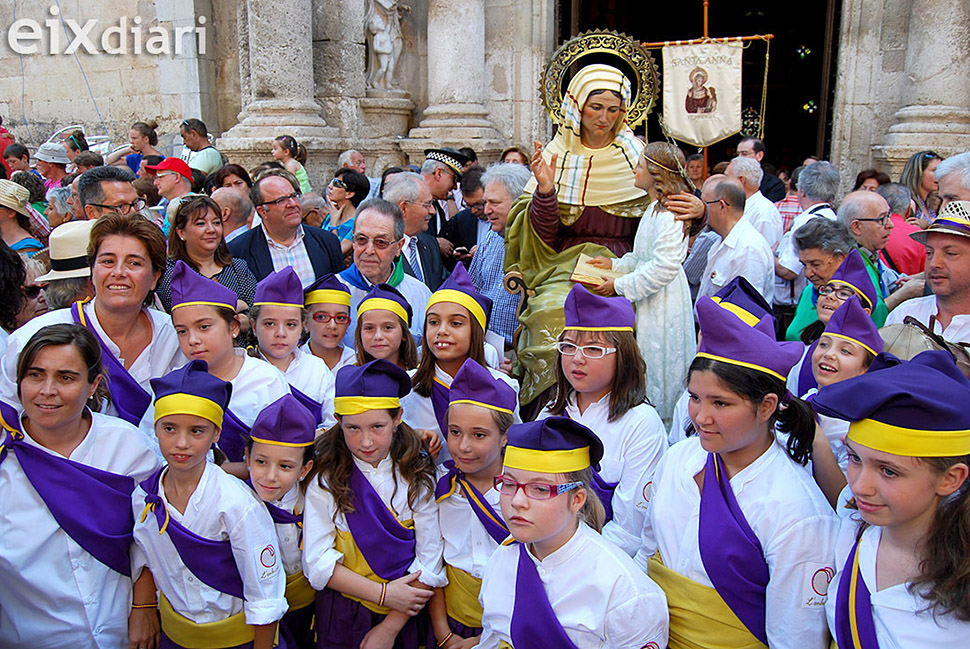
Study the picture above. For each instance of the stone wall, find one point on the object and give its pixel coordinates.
(903, 83)
(124, 87)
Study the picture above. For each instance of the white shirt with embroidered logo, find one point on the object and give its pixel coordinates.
(321, 520)
(633, 446)
(787, 512)
(221, 508)
(599, 595)
(53, 593)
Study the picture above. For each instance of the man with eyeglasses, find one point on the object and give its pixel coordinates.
(377, 239)
(422, 257)
(107, 189)
(281, 239)
(742, 251)
(869, 220)
(442, 170)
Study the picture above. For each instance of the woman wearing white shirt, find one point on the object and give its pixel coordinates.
(56, 590)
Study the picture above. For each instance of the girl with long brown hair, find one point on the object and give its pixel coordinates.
(370, 529)
(902, 552)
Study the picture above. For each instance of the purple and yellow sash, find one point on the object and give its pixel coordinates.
(385, 543)
(731, 552)
(129, 398)
(491, 521)
(232, 439)
(212, 562)
(534, 623)
(854, 626)
(92, 506)
(311, 404)
(440, 400)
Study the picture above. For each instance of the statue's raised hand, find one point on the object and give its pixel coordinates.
(543, 171)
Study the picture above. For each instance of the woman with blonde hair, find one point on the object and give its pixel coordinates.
(654, 278)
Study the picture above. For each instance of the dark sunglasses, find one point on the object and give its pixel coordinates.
(32, 291)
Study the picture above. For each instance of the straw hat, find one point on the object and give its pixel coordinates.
(68, 245)
(954, 219)
(14, 196)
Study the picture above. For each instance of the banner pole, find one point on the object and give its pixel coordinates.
(706, 167)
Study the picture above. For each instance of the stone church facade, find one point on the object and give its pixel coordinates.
(391, 78)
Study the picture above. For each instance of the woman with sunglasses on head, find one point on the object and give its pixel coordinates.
(918, 176)
(196, 239)
(346, 191)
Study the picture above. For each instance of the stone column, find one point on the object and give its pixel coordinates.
(280, 83)
(456, 114)
(935, 111)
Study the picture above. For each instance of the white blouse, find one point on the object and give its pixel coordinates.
(53, 593)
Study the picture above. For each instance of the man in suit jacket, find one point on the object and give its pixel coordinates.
(281, 239)
(467, 228)
(422, 257)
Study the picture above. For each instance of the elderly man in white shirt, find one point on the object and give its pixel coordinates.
(742, 251)
(947, 241)
(758, 210)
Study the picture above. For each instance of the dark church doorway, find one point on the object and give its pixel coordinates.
(801, 70)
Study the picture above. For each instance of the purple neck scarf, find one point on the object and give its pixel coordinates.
(314, 406)
(129, 398)
(806, 378)
(232, 438)
(731, 552)
(491, 521)
(92, 506)
(212, 562)
(440, 399)
(534, 623)
(854, 626)
(387, 545)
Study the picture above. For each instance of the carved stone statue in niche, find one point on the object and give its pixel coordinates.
(382, 27)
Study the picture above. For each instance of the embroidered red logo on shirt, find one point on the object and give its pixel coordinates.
(268, 556)
(650, 645)
(821, 580)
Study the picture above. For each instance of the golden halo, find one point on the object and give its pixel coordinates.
(647, 81)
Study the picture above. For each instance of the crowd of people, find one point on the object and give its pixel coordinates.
(590, 395)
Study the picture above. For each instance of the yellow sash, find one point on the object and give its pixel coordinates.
(461, 597)
(229, 632)
(354, 560)
(699, 618)
(299, 592)
(502, 644)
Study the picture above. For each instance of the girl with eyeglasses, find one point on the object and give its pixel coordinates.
(205, 320)
(741, 538)
(371, 541)
(557, 582)
(383, 321)
(292, 155)
(327, 303)
(454, 331)
(278, 317)
(601, 383)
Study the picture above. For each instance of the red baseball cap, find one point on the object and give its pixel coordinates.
(172, 164)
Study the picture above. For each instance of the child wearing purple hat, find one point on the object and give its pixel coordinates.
(479, 414)
(279, 454)
(601, 383)
(327, 303)
(209, 543)
(556, 582)
(371, 524)
(902, 552)
(383, 328)
(454, 331)
(278, 315)
(743, 535)
(203, 312)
